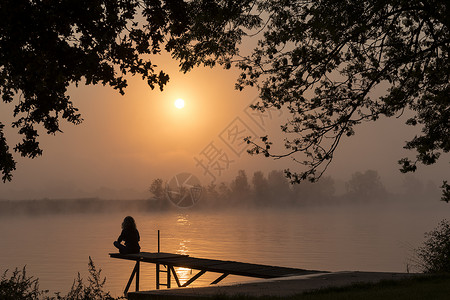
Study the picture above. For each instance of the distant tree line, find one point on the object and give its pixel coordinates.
(273, 189)
(258, 190)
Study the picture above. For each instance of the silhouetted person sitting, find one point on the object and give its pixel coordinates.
(130, 235)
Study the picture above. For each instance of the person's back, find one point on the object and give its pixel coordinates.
(129, 235)
(131, 238)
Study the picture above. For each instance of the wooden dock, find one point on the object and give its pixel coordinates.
(165, 263)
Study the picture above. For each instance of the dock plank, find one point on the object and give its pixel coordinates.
(215, 265)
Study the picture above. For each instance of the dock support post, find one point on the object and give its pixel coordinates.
(174, 273)
(193, 278)
(157, 276)
(220, 278)
(168, 276)
(138, 267)
(134, 273)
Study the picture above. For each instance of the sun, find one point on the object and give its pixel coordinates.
(179, 103)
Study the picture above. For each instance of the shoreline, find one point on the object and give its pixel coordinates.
(278, 287)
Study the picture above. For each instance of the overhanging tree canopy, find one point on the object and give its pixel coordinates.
(322, 60)
(47, 45)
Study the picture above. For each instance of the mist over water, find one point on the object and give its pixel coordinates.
(365, 237)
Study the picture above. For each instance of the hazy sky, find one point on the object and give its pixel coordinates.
(127, 141)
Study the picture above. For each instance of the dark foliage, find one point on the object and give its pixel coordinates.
(323, 60)
(45, 46)
(94, 290)
(434, 255)
(21, 287)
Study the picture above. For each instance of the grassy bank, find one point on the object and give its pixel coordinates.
(436, 287)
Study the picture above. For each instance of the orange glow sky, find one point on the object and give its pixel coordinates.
(127, 141)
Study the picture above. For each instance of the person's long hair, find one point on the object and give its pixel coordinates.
(128, 223)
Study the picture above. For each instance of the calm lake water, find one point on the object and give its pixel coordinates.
(55, 248)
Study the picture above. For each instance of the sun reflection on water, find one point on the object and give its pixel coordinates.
(183, 249)
(183, 273)
(183, 220)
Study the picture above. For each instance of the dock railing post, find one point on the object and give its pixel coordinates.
(157, 266)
